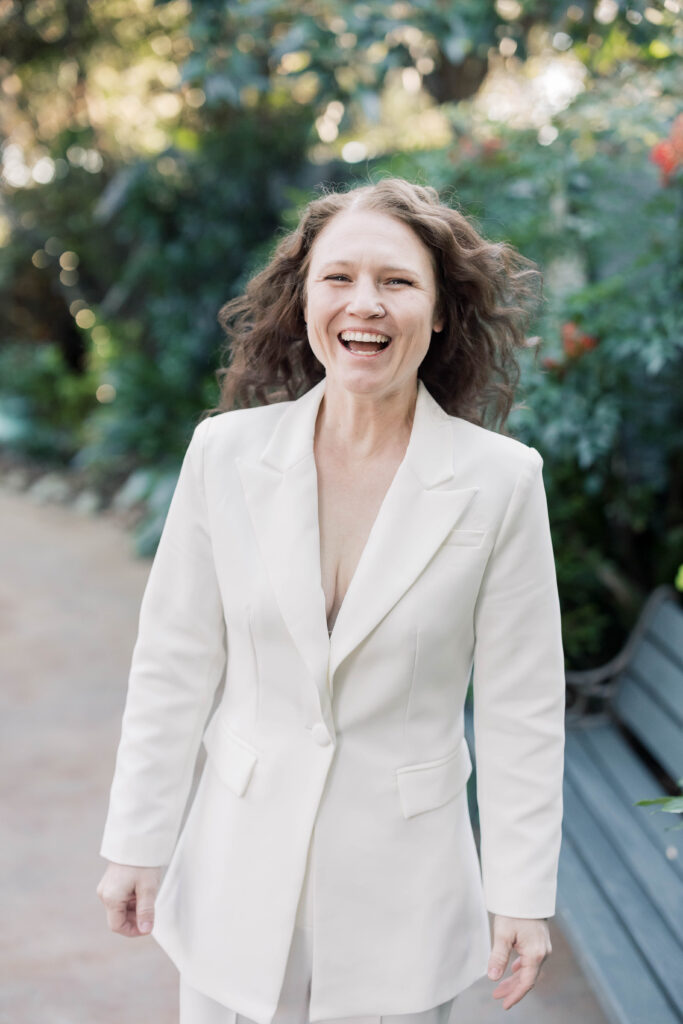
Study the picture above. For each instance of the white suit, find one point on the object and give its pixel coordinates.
(356, 740)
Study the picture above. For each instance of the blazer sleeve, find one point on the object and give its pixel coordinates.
(519, 706)
(178, 661)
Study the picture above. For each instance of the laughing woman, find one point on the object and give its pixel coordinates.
(347, 545)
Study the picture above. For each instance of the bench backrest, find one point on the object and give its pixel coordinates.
(649, 695)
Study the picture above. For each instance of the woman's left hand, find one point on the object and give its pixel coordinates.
(530, 937)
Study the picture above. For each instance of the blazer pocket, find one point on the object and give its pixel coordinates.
(431, 784)
(231, 757)
(466, 538)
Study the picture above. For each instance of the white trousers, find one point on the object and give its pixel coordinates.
(293, 1005)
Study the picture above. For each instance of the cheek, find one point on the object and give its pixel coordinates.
(418, 333)
(418, 320)
(318, 311)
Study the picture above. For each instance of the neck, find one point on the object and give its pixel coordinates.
(363, 426)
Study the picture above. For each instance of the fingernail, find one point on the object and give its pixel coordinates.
(146, 926)
(494, 972)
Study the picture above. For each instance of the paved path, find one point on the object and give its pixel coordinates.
(70, 590)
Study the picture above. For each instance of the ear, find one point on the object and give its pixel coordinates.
(438, 324)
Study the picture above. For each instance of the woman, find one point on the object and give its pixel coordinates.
(340, 562)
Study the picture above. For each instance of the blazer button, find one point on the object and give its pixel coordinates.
(320, 734)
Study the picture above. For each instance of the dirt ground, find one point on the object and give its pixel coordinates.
(70, 590)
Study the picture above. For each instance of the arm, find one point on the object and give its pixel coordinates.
(519, 707)
(519, 703)
(177, 664)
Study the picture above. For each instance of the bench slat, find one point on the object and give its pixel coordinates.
(621, 979)
(650, 722)
(666, 628)
(661, 676)
(621, 826)
(632, 780)
(637, 916)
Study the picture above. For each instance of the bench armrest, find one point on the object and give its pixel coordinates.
(602, 681)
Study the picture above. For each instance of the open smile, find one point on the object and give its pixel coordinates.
(366, 344)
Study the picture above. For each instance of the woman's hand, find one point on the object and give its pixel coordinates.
(128, 894)
(530, 937)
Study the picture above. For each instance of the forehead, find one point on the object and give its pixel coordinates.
(364, 236)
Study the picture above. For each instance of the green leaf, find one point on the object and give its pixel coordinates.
(671, 804)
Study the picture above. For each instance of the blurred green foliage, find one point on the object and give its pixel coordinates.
(42, 404)
(153, 155)
(343, 49)
(607, 417)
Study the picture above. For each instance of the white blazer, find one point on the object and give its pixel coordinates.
(356, 740)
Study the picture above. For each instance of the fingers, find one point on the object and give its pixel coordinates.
(531, 940)
(497, 965)
(121, 918)
(129, 894)
(145, 896)
(500, 953)
(514, 988)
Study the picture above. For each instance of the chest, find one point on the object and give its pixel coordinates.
(349, 500)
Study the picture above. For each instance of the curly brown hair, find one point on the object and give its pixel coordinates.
(487, 293)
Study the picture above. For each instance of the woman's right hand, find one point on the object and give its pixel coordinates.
(128, 894)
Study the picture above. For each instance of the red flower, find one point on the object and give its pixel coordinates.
(549, 363)
(668, 154)
(574, 341)
(664, 155)
(490, 147)
(471, 149)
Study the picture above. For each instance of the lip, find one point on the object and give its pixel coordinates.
(365, 355)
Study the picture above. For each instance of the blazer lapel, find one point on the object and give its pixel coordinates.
(418, 510)
(281, 491)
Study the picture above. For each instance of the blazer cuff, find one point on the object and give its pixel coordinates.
(142, 852)
(508, 898)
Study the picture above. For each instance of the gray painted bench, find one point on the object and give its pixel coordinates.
(620, 880)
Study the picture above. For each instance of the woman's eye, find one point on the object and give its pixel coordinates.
(344, 277)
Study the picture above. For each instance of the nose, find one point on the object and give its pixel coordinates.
(364, 299)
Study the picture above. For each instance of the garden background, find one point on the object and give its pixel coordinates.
(153, 153)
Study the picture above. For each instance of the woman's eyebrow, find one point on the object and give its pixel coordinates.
(386, 267)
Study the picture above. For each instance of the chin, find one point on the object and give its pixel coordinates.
(367, 384)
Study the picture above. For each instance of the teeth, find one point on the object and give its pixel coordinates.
(363, 336)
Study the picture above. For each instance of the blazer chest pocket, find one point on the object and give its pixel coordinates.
(232, 758)
(465, 538)
(431, 784)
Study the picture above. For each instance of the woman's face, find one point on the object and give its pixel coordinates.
(370, 277)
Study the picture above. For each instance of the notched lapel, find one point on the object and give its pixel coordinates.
(411, 525)
(281, 493)
(420, 508)
(284, 513)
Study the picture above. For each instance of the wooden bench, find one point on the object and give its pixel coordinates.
(620, 880)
